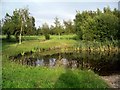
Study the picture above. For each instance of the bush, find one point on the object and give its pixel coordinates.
(47, 36)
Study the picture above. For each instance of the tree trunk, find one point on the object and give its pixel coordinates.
(20, 39)
(20, 34)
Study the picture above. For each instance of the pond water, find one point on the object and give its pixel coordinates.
(103, 63)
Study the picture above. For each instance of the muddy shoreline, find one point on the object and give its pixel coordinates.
(113, 80)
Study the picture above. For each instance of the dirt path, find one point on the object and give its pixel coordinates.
(112, 80)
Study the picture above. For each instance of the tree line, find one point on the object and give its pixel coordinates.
(88, 25)
(91, 25)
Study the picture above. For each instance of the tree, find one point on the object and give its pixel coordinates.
(39, 31)
(69, 28)
(117, 14)
(52, 30)
(18, 24)
(90, 25)
(88, 29)
(107, 26)
(8, 25)
(107, 9)
(58, 27)
(23, 16)
(98, 11)
(46, 31)
(78, 21)
(31, 24)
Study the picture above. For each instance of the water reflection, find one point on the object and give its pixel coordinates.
(52, 62)
(102, 63)
(39, 62)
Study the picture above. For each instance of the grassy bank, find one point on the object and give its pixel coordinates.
(67, 42)
(18, 76)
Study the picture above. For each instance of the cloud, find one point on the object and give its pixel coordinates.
(48, 16)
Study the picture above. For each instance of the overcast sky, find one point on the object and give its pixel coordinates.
(45, 11)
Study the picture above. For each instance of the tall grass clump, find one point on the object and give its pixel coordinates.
(97, 45)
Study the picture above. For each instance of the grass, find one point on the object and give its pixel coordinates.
(18, 76)
(38, 43)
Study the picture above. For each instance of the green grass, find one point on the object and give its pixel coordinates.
(32, 44)
(19, 76)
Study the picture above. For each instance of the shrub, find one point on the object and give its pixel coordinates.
(47, 36)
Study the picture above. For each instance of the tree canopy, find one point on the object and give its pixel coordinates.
(97, 25)
(88, 25)
(19, 23)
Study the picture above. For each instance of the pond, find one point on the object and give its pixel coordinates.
(102, 63)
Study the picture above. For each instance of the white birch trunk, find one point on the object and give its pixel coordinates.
(20, 34)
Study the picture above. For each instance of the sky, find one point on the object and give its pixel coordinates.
(46, 11)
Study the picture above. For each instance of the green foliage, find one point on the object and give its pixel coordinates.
(88, 29)
(97, 26)
(18, 23)
(58, 27)
(7, 27)
(88, 25)
(107, 26)
(45, 29)
(69, 27)
(30, 29)
(47, 36)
